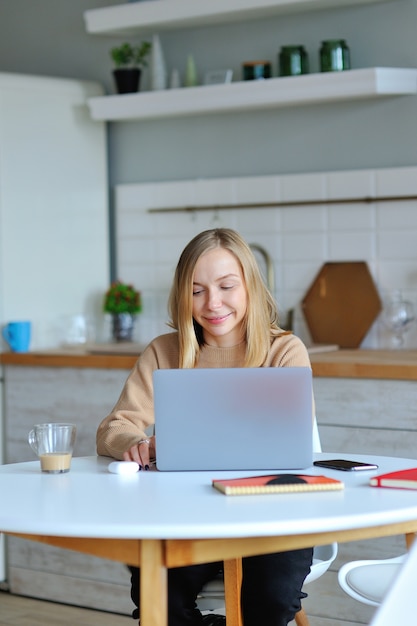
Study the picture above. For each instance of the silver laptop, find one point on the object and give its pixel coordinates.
(233, 418)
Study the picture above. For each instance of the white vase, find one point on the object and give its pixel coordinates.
(158, 66)
(175, 81)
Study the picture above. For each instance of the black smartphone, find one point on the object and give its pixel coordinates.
(345, 465)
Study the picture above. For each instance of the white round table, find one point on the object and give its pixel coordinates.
(158, 520)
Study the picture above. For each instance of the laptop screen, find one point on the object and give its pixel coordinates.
(233, 418)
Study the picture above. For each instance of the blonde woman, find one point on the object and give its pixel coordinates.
(222, 315)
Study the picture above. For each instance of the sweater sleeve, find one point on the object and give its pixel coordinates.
(134, 412)
(287, 350)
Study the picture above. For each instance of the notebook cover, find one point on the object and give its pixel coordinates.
(276, 483)
(403, 479)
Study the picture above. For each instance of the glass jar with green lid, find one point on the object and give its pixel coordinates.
(334, 56)
(256, 70)
(293, 61)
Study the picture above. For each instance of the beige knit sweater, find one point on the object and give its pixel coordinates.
(133, 413)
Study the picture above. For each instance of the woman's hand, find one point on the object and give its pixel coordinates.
(143, 453)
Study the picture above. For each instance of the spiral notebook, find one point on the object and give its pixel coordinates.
(233, 418)
(276, 483)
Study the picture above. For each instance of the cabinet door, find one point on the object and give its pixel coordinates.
(85, 397)
(53, 206)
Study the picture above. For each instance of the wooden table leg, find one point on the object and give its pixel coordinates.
(409, 539)
(153, 584)
(232, 588)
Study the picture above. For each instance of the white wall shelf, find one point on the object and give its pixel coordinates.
(254, 95)
(141, 17)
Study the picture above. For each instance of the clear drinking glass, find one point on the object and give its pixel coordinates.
(398, 315)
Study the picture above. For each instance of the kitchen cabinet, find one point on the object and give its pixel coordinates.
(53, 213)
(53, 203)
(83, 396)
(139, 18)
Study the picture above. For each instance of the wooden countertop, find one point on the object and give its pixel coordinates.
(70, 358)
(385, 364)
(382, 364)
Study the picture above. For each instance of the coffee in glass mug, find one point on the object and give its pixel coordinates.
(53, 443)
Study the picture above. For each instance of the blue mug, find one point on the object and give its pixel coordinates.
(17, 335)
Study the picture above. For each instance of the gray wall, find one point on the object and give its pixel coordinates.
(48, 37)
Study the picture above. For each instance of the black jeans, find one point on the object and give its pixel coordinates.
(271, 588)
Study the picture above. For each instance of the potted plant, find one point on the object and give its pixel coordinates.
(123, 302)
(129, 61)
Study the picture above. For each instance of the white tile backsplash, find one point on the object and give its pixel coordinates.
(302, 187)
(304, 246)
(400, 181)
(352, 217)
(298, 238)
(263, 189)
(394, 215)
(352, 184)
(398, 244)
(214, 192)
(298, 219)
(401, 273)
(351, 246)
(267, 222)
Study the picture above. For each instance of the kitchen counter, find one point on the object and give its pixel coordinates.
(72, 357)
(380, 364)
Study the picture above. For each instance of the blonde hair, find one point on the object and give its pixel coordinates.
(261, 316)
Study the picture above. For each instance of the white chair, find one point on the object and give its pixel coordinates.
(211, 597)
(399, 604)
(368, 581)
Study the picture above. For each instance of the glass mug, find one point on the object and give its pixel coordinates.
(53, 443)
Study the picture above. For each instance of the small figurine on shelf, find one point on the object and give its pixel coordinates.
(191, 72)
(123, 302)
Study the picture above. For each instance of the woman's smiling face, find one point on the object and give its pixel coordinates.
(219, 298)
